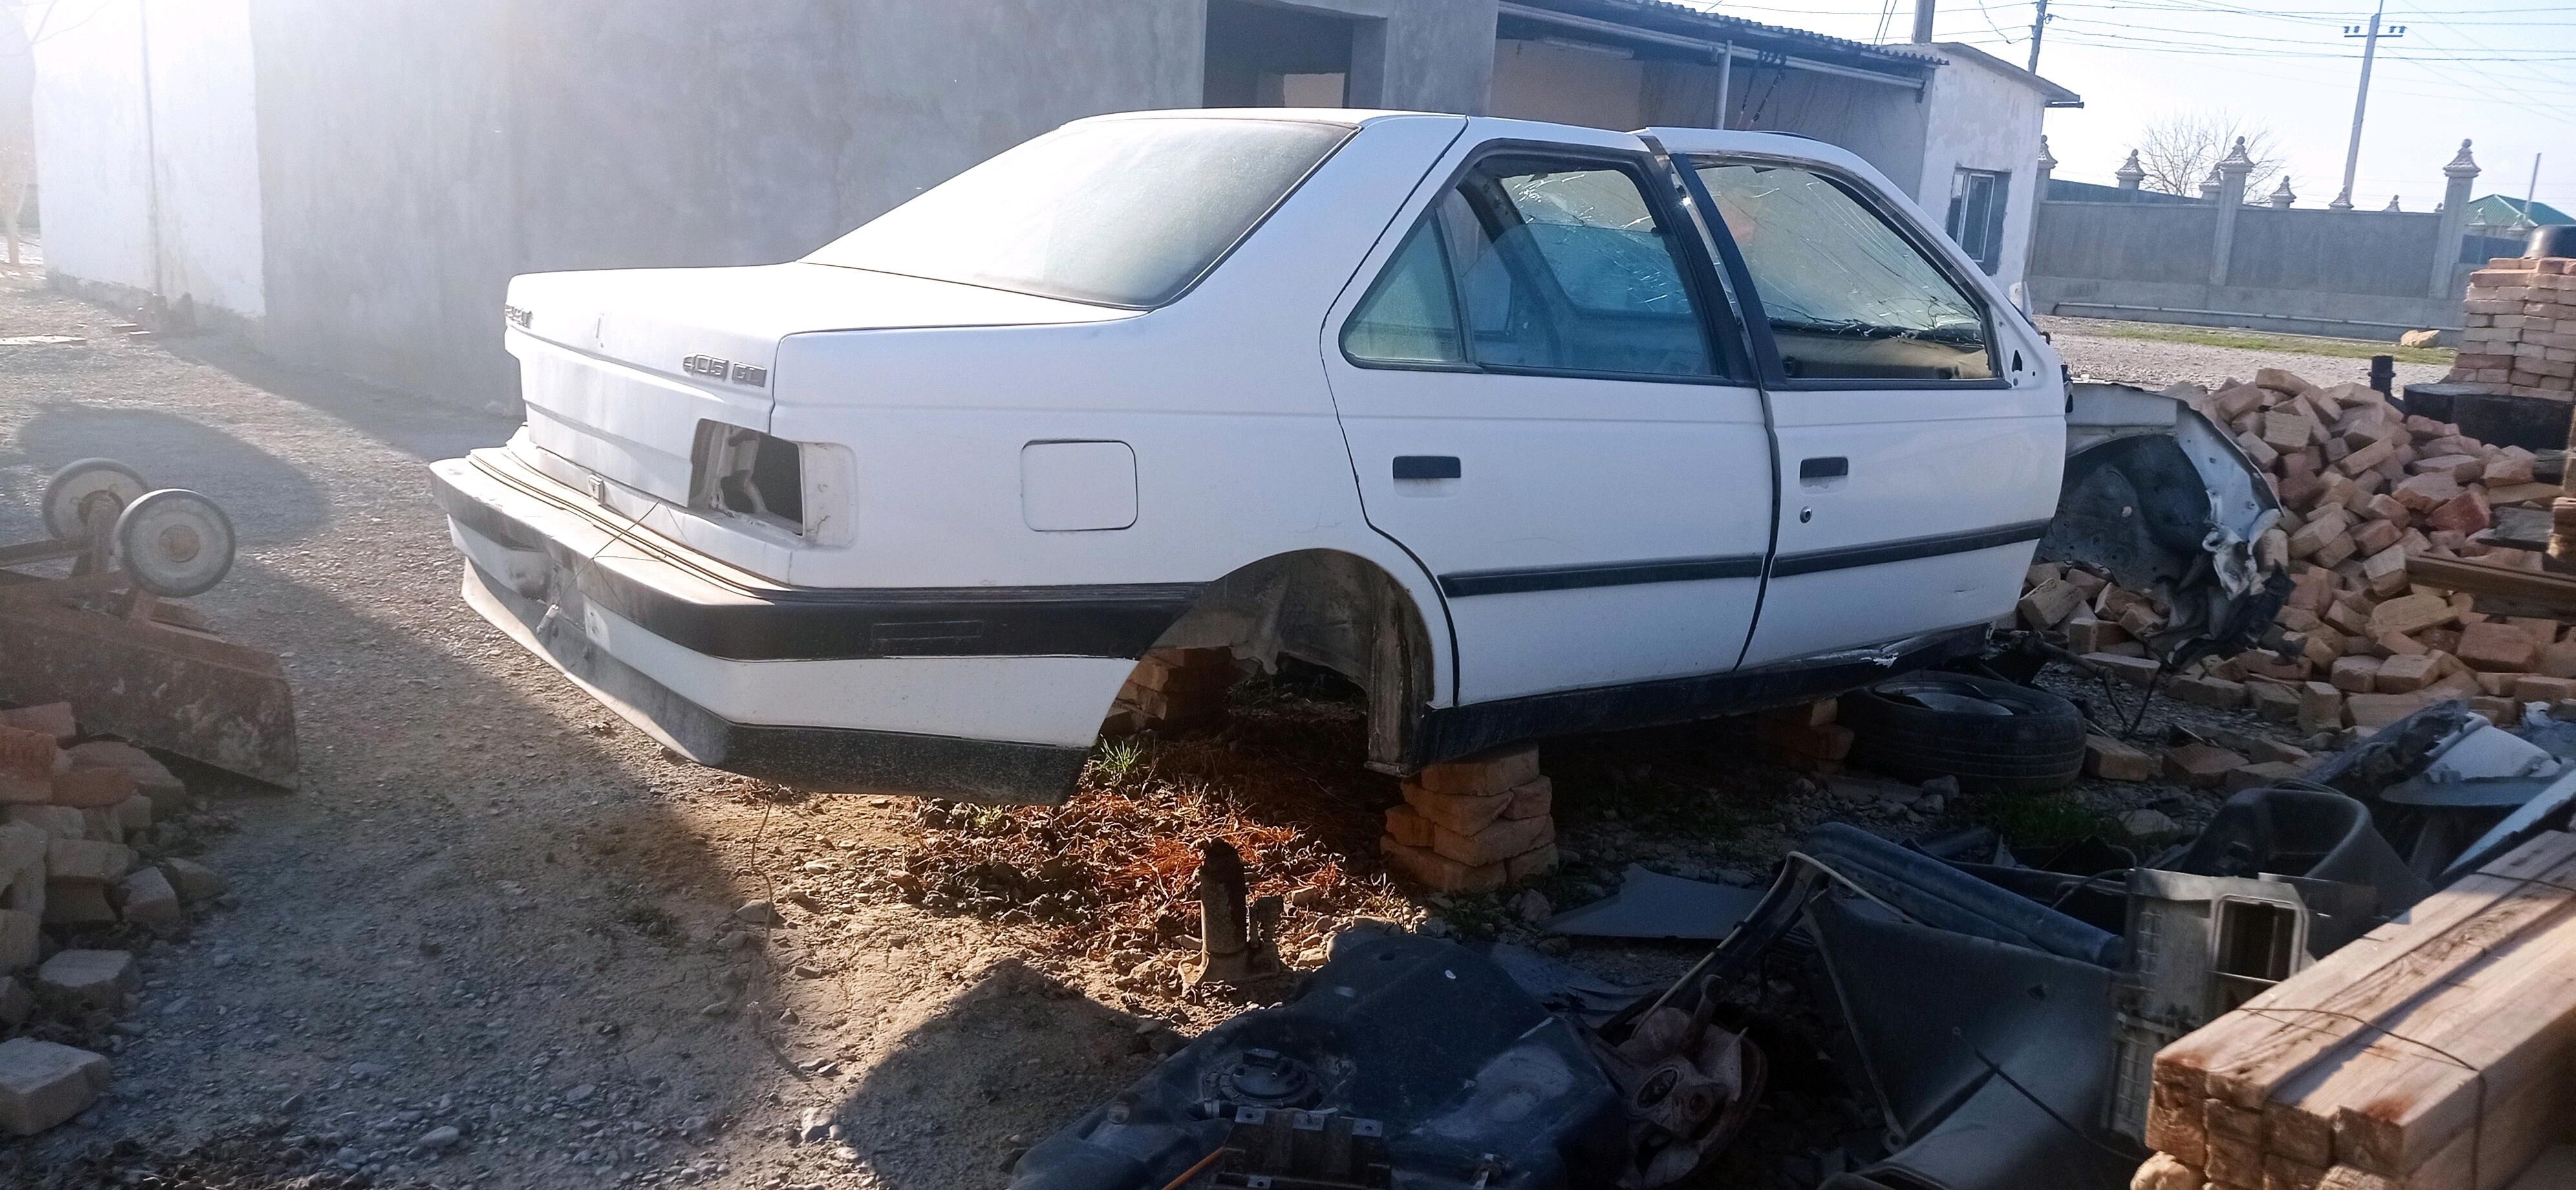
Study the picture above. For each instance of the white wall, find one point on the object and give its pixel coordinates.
(1537, 81)
(1979, 118)
(94, 140)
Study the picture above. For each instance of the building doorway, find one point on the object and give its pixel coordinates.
(1266, 55)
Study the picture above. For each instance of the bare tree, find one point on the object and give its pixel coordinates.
(2179, 151)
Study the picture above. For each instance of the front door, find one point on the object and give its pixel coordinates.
(1921, 428)
(1546, 407)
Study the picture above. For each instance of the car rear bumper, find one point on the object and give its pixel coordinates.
(896, 691)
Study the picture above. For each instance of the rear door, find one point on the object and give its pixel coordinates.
(1547, 408)
(1920, 423)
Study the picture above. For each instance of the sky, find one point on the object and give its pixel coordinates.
(2501, 73)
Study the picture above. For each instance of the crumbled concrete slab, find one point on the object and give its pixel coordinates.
(146, 898)
(91, 978)
(43, 1084)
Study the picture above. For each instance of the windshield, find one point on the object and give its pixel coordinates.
(1122, 212)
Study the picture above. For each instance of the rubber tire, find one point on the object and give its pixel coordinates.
(2037, 749)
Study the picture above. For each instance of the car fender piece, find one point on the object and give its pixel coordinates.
(2159, 498)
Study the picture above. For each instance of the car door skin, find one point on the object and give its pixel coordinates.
(1905, 507)
(1585, 530)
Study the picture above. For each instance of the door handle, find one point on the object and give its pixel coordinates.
(1427, 467)
(1828, 467)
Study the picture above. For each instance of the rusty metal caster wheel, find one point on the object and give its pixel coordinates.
(174, 543)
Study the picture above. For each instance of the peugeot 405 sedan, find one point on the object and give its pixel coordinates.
(1527, 429)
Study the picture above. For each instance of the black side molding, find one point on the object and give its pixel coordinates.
(1608, 574)
(1881, 553)
(1428, 467)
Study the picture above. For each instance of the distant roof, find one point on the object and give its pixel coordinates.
(2057, 96)
(1681, 20)
(2497, 210)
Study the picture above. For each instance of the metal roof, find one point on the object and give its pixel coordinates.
(1665, 16)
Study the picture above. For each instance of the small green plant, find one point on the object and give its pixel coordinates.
(2035, 820)
(1116, 760)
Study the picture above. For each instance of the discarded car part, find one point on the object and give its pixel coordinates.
(1650, 904)
(2311, 834)
(174, 543)
(1287, 1149)
(1688, 1085)
(2163, 501)
(1987, 1059)
(1936, 894)
(2199, 946)
(2546, 811)
(1991, 735)
(85, 488)
(1473, 1082)
(1238, 942)
(100, 639)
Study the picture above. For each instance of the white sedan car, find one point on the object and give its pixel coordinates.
(1528, 429)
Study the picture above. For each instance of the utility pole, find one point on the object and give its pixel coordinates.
(1922, 22)
(2361, 101)
(2038, 25)
(2531, 192)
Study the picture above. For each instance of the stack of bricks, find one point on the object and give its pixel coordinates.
(1474, 825)
(1172, 688)
(67, 819)
(2519, 329)
(2364, 488)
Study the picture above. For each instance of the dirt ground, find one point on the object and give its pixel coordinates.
(491, 905)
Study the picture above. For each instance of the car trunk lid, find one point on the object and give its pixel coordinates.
(618, 368)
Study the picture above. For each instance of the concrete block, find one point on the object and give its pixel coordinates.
(194, 881)
(2405, 674)
(21, 936)
(60, 822)
(2355, 674)
(87, 859)
(2542, 688)
(2498, 647)
(151, 778)
(2201, 766)
(1534, 800)
(2218, 693)
(1504, 839)
(2137, 671)
(2049, 604)
(28, 753)
(53, 719)
(2114, 760)
(2373, 711)
(89, 978)
(88, 787)
(1463, 813)
(145, 897)
(1482, 776)
(43, 1084)
(2409, 614)
(1438, 873)
(2274, 701)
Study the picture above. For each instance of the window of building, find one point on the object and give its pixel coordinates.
(1847, 295)
(1977, 215)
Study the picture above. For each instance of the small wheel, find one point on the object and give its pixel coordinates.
(78, 488)
(174, 543)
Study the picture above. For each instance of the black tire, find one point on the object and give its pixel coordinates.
(1999, 738)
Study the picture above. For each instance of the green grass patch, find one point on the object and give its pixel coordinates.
(2037, 821)
(2210, 336)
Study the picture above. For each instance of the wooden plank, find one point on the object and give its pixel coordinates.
(2508, 1139)
(2524, 588)
(2243, 1057)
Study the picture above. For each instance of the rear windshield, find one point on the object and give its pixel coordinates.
(1121, 213)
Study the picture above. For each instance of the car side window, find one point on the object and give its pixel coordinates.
(1547, 266)
(1848, 297)
(1411, 316)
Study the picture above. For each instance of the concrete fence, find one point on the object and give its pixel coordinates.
(2219, 261)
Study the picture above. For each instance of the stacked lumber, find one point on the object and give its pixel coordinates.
(2437, 1053)
(2365, 490)
(2519, 329)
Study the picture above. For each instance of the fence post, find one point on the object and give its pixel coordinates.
(2462, 174)
(2231, 199)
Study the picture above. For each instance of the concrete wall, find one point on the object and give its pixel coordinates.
(1420, 55)
(1978, 118)
(1534, 80)
(418, 154)
(2352, 273)
(1881, 123)
(102, 188)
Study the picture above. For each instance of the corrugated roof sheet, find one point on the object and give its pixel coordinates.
(1669, 17)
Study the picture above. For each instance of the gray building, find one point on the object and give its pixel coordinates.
(351, 185)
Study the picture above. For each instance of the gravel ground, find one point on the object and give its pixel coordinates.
(492, 906)
(2155, 363)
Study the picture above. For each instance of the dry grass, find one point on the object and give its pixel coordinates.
(1115, 868)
